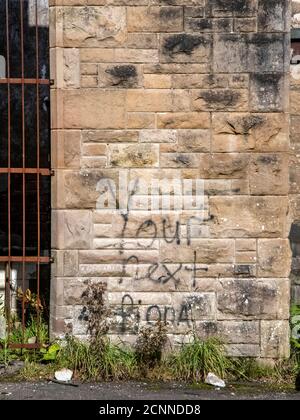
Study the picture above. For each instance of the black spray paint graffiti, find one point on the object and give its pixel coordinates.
(130, 317)
(150, 227)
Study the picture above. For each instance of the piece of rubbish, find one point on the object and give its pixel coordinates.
(63, 375)
(32, 340)
(214, 380)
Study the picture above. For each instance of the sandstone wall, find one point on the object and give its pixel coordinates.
(147, 90)
(294, 160)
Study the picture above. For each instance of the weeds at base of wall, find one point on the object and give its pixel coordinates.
(189, 364)
(100, 359)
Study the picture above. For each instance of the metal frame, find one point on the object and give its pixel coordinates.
(38, 171)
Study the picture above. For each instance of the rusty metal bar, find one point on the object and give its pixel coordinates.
(26, 259)
(20, 80)
(22, 346)
(38, 165)
(23, 174)
(7, 271)
(41, 171)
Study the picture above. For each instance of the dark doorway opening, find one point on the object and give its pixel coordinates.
(24, 164)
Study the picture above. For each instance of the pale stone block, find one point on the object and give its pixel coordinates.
(274, 257)
(275, 339)
(93, 108)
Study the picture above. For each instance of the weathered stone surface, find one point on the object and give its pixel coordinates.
(71, 68)
(93, 108)
(158, 100)
(185, 48)
(267, 92)
(243, 350)
(274, 258)
(80, 188)
(157, 81)
(193, 120)
(94, 26)
(256, 217)
(109, 136)
(158, 136)
(254, 298)
(241, 132)
(245, 25)
(194, 25)
(239, 332)
(74, 229)
(119, 76)
(219, 8)
(145, 155)
(268, 174)
(275, 336)
(197, 141)
(142, 40)
(155, 19)
(227, 165)
(248, 53)
(207, 251)
(271, 14)
(220, 99)
(140, 120)
(73, 291)
(169, 91)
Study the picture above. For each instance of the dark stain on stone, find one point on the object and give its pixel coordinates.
(251, 122)
(123, 74)
(268, 160)
(167, 13)
(242, 270)
(183, 44)
(220, 97)
(267, 12)
(200, 24)
(210, 328)
(183, 160)
(236, 7)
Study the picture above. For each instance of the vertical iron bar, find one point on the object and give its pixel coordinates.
(38, 165)
(23, 175)
(7, 278)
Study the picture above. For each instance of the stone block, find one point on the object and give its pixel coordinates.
(234, 53)
(74, 229)
(274, 258)
(246, 132)
(206, 251)
(185, 48)
(181, 120)
(155, 19)
(267, 92)
(269, 174)
(275, 339)
(94, 26)
(119, 76)
(271, 15)
(94, 108)
(197, 141)
(220, 100)
(140, 120)
(239, 8)
(130, 156)
(71, 68)
(254, 299)
(252, 217)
